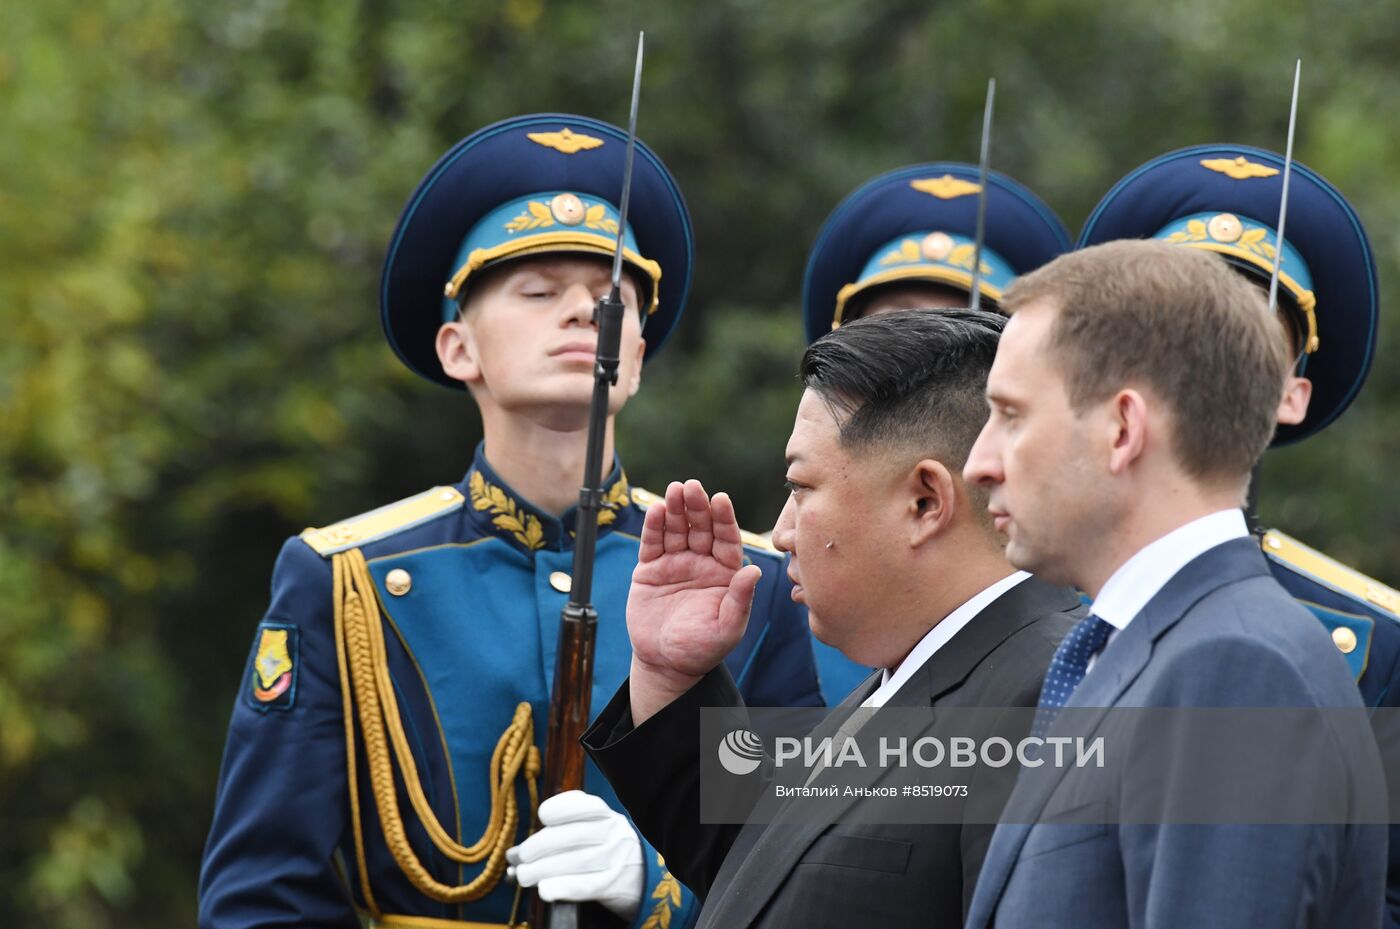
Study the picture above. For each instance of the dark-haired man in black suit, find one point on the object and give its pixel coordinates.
(900, 568)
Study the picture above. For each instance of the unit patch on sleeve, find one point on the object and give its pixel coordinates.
(272, 679)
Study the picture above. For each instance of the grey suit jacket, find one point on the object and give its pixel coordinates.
(830, 870)
(1221, 633)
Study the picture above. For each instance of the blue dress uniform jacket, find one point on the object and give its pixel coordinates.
(1363, 617)
(470, 581)
(1361, 614)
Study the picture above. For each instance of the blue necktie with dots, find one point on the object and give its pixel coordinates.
(1067, 669)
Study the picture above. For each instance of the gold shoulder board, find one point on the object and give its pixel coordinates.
(1330, 572)
(384, 521)
(761, 541)
(645, 498)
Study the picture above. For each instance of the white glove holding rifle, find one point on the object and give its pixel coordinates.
(584, 851)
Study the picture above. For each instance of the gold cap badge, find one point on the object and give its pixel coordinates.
(567, 208)
(946, 187)
(936, 246)
(1239, 168)
(565, 140)
(1225, 227)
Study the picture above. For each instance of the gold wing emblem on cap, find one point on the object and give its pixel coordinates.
(1239, 168)
(908, 251)
(946, 187)
(537, 215)
(596, 218)
(963, 255)
(565, 140)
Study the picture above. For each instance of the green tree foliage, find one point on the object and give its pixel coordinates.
(194, 201)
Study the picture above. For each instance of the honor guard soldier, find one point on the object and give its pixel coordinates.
(907, 240)
(1225, 199)
(387, 735)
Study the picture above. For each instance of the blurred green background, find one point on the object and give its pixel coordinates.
(194, 200)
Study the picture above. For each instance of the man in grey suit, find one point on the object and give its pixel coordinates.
(1116, 458)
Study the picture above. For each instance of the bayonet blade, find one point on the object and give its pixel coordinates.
(982, 170)
(1283, 200)
(627, 170)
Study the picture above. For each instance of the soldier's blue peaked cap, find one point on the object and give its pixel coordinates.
(1225, 198)
(916, 223)
(547, 182)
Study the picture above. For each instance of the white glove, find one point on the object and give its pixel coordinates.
(585, 851)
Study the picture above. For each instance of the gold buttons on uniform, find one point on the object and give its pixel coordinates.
(1344, 639)
(1273, 542)
(561, 582)
(568, 209)
(398, 582)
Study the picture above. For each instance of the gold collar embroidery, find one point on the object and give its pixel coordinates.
(525, 527)
(506, 516)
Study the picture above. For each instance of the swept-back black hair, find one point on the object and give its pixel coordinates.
(915, 379)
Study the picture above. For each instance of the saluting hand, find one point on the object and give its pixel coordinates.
(690, 596)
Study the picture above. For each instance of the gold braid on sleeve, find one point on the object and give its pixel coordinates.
(365, 682)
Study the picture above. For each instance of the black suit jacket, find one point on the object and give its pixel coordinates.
(836, 872)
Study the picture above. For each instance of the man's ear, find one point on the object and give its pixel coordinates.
(1127, 423)
(931, 492)
(1293, 408)
(457, 352)
(635, 384)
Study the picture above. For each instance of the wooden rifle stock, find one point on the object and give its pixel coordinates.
(570, 706)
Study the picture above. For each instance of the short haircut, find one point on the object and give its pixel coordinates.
(914, 380)
(1178, 321)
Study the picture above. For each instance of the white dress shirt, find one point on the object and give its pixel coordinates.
(1143, 576)
(932, 641)
(939, 636)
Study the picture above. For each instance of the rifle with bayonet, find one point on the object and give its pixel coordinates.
(570, 701)
(983, 169)
(1251, 504)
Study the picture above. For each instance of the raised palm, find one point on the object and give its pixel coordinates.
(690, 596)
